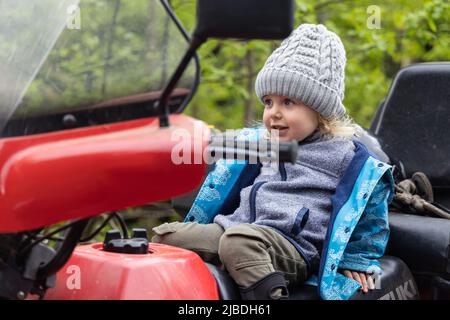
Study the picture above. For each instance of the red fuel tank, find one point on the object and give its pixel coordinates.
(167, 273)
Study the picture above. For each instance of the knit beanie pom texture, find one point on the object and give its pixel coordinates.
(309, 66)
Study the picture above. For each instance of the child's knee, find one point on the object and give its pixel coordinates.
(239, 243)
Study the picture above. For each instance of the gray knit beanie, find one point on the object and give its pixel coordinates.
(308, 67)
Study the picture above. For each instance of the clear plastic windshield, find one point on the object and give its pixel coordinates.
(63, 55)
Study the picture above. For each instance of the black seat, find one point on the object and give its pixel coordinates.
(396, 283)
(413, 122)
(412, 127)
(373, 145)
(424, 244)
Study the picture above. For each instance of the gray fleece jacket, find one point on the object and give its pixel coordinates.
(296, 201)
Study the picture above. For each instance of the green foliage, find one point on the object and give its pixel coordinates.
(411, 32)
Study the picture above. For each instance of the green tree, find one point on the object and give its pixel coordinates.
(410, 32)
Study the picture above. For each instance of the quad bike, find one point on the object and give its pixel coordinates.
(82, 137)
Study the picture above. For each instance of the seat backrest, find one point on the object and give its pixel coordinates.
(373, 145)
(413, 123)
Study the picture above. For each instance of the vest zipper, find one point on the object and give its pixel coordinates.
(282, 171)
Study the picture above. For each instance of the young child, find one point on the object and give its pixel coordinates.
(276, 235)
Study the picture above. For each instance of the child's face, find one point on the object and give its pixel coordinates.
(292, 119)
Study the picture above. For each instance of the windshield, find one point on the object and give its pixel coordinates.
(61, 56)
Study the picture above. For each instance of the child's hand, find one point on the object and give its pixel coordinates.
(364, 279)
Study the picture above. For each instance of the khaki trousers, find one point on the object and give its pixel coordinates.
(249, 252)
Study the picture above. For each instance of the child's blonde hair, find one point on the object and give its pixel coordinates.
(339, 127)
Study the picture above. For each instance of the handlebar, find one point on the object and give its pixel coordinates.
(253, 151)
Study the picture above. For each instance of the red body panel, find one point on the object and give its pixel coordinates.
(168, 273)
(48, 178)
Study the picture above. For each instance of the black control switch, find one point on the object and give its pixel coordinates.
(140, 233)
(138, 244)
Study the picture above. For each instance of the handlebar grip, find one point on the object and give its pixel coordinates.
(257, 151)
(288, 151)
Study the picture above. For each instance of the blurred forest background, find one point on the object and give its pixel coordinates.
(410, 32)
